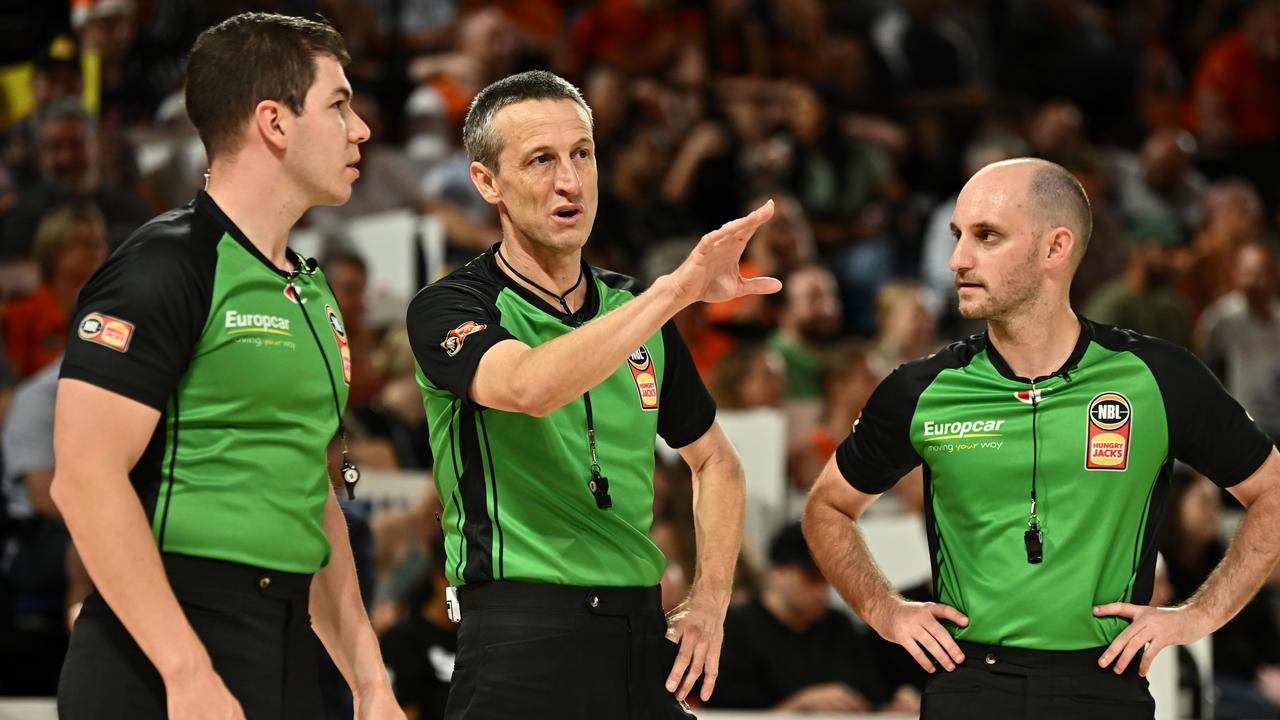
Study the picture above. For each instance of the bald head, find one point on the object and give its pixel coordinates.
(1052, 196)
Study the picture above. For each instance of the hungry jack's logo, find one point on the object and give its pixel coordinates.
(344, 347)
(1110, 422)
(641, 366)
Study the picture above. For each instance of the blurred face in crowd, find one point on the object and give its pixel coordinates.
(82, 256)
(813, 306)
(1255, 273)
(909, 321)
(801, 591)
(348, 282)
(1233, 209)
(57, 81)
(1199, 513)
(1165, 160)
(785, 242)
(67, 154)
(324, 146)
(545, 184)
(997, 241)
(1262, 27)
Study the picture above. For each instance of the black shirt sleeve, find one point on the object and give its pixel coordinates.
(685, 407)
(451, 326)
(878, 451)
(138, 319)
(1208, 429)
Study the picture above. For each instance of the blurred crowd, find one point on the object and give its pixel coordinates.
(860, 119)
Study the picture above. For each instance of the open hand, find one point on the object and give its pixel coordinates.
(711, 272)
(698, 627)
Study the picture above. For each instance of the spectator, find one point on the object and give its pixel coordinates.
(393, 420)
(788, 650)
(55, 76)
(807, 323)
(1239, 337)
(1233, 217)
(419, 650)
(1235, 94)
(1142, 299)
(69, 169)
(1160, 187)
(1246, 651)
(754, 376)
(848, 377)
(70, 245)
(348, 277)
(907, 325)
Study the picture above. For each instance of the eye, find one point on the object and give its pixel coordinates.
(339, 104)
(542, 159)
(583, 154)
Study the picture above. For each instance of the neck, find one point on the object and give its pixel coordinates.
(1037, 343)
(554, 272)
(239, 188)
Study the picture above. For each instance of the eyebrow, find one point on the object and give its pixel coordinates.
(979, 226)
(584, 140)
(345, 92)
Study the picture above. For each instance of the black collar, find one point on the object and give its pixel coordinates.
(1082, 344)
(590, 305)
(206, 203)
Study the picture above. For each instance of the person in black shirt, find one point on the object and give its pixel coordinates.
(788, 649)
(419, 650)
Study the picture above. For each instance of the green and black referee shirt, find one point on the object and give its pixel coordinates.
(243, 362)
(515, 487)
(1099, 437)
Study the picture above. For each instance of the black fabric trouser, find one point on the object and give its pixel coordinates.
(535, 651)
(253, 622)
(1000, 683)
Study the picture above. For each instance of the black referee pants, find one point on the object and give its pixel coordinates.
(999, 683)
(534, 651)
(253, 622)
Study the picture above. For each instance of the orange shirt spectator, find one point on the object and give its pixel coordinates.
(35, 331)
(1240, 88)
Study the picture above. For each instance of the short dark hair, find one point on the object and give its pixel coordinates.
(1060, 201)
(788, 548)
(249, 58)
(482, 143)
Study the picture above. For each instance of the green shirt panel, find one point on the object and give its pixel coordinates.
(245, 472)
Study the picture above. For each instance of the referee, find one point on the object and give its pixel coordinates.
(204, 377)
(1048, 442)
(546, 382)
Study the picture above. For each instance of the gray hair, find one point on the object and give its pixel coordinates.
(1060, 200)
(478, 136)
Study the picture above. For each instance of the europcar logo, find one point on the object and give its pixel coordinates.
(960, 429)
(1110, 421)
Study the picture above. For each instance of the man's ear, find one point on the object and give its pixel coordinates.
(486, 181)
(1061, 244)
(272, 122)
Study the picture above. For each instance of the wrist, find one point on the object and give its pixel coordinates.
(668, 289)
(186, 661)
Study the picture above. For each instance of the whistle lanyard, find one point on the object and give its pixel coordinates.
(598, 484)
(1033, 538)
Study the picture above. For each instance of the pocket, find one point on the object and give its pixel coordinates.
(660, 655)
(1108, 689)
(524, 678)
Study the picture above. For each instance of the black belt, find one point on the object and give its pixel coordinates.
(511, 595)
(195, 573)
(1023, 661)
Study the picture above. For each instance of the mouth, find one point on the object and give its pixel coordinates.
(962, 285)
(353, 166)
(568, 214)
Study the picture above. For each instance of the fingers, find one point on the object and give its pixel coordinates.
(921, 659)
(677, 669)
(947, 642)
(711, 671)
(1118, 608)
(699, 658)
(1149, 657)
(1135, 643)
(931, 644)
(761, 285)
(741, 228)
(939, 610)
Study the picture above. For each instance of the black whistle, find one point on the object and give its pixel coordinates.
(350, 476)
(599, 487)
(1035, 545)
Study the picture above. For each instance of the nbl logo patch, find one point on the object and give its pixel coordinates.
(106, 330)
(641, 366)
(1110, 422)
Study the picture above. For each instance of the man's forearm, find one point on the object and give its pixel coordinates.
(719, 502)
(337, 613)
(555, 373)
(1246, 566)
(841, 552)
(112, 535)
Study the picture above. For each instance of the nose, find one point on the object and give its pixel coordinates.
(961, 257)
(568, 183)
(357, 129)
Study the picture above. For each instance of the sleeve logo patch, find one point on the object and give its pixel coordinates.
(641, 366)
(106, 330)
(344, 347)
(453, 341)
(1110, 421)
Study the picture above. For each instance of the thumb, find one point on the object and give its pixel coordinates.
(761, 285)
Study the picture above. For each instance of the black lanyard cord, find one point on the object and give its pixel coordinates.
(350, 473)
(562, 298)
